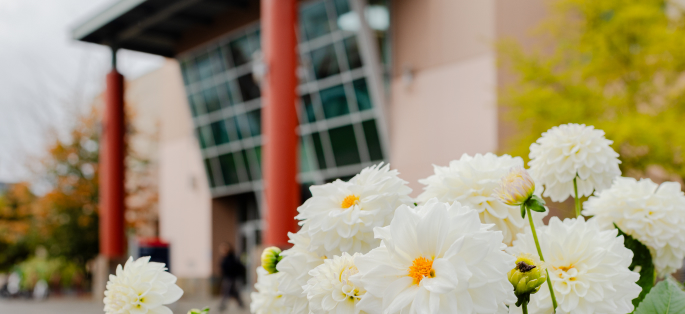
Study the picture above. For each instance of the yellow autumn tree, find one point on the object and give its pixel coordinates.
(616, 64)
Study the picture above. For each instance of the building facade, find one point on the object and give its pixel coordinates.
(417, 87)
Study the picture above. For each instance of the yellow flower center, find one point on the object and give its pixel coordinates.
(420, 268)
(565, 270)
(349, 201)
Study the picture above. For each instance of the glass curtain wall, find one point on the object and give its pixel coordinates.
(338, 128)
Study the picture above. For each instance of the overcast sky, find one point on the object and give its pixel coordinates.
(46, 77)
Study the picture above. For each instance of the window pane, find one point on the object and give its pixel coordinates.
(372, 140)
(217, 61)
(210, 175)
(254, 120)
(191, 103)
(185, 70)
(255, 40)
(344, 145)
(228, 169)
(206, 136)
(315, 20)
(361, 91)
(334, 102)
(224, 95)
(211, 99)
(200, 138)
(309, 113)
(198, 105)
(240, 50)
(341, 6)
(238, 128)
(248, 88)
(230, 126)
(318, 148)
(325, 62)
(226, 51)
(204, 66)
(247, 164)
(229, 92)
(258, 154)
(354, 59)
(219, 132)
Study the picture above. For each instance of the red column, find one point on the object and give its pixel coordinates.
(112, 169)
(279, 20)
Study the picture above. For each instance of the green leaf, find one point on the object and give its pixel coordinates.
(523, 210)
(642, 258)
(667, 297)
(537, 204)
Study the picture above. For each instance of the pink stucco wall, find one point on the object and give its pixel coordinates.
(444, 112)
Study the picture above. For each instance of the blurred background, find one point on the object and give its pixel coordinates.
(414, 83)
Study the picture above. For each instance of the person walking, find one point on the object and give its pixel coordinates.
(232, 272)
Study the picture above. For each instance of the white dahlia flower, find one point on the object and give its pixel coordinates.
(267, 299)
(294, 268)
(472, 181)
(141, 287)
(588, 268)
(570, 150)
(652, 214)
(330, 289)
(436, 258)
(341, 215)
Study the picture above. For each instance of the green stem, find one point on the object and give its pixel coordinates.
(525, 307)
(575, 189)
(542, 258)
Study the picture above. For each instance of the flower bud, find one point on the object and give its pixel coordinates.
(202, 311)
(527, 277)
(270, 257)
(516, 187)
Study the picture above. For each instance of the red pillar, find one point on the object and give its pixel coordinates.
(112, 169)
(279, 20)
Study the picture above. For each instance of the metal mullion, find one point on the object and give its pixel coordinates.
(361, 142)
(369, 52)
(318, 42)
(253, 104)
(330, 81)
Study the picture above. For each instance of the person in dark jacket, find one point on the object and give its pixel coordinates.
(232, 272)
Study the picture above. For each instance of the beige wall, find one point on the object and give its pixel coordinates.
(184, 196)
(449, 106)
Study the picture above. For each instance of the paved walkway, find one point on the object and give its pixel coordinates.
(71, 306)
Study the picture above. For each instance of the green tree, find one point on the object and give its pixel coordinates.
(615, 64)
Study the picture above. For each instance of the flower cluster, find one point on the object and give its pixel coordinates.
(472, 243)
(588, 268)
(653, 214)
(473, 181)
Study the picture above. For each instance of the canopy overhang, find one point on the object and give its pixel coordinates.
(163, 27)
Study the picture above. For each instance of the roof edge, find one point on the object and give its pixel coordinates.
(105, 16)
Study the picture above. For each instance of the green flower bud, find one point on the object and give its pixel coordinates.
(202, 311)
(270, 257)
(527, 277)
